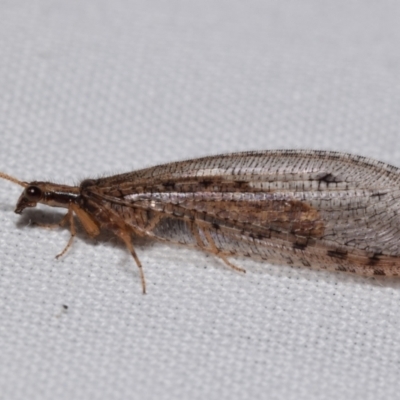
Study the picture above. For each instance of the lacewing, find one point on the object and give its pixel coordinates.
(320, 209)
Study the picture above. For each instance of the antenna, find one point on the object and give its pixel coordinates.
(12, 179)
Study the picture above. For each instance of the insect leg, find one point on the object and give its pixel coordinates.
(126, 238)
(213, 248)
(68, 217)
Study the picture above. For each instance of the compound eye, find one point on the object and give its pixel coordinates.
(33, 193)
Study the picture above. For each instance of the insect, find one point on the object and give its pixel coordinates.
(328, 210)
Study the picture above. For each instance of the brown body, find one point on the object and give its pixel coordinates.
(319, 209)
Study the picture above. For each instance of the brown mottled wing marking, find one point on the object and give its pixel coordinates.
(313, 208)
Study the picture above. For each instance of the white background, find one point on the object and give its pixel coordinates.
(96, 87)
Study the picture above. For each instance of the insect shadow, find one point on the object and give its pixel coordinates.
(38, 219)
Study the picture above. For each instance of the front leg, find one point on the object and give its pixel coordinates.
(70, 218)
(87, 222)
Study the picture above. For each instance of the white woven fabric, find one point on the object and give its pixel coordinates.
(92, 87)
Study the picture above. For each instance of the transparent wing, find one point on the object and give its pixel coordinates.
(303, 200)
